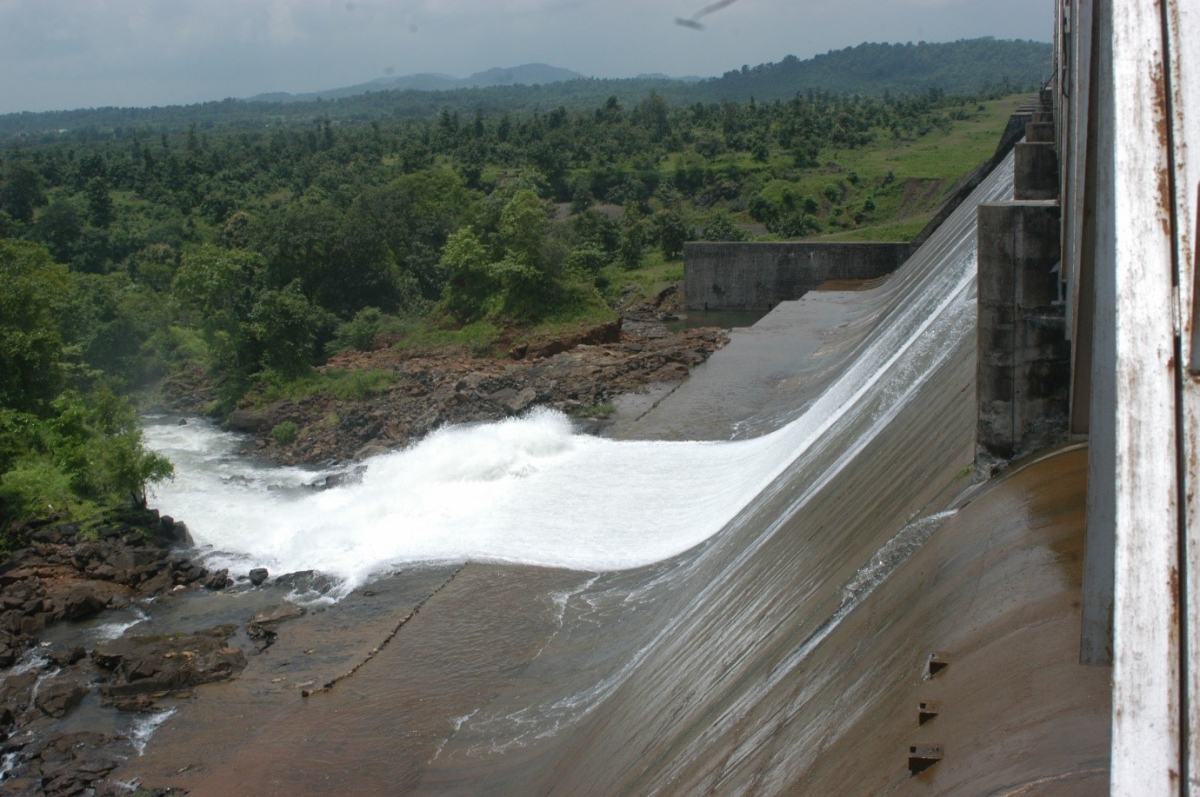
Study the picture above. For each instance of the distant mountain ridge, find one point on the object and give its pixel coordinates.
(523, 75)
(964, 66)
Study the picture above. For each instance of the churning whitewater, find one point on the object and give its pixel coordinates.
(531, 490)
(526, 490)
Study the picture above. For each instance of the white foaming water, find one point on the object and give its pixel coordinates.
(144, 727)
(116, 630)
(526, 490)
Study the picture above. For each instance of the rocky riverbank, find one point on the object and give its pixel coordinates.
(579, 373)
(66, 574)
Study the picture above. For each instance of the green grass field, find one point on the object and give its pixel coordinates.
(923, 173)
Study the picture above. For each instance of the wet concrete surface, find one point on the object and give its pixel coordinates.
(375, 733)
(995, 593)
(325, 644)
(784, 655)
(490, 688)
(766, 372)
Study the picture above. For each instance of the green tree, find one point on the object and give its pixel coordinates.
(21, 191)
(523, 226)
(59, 450)
(216, 289)
(674, 230)
(31, 348)
(633, 242)
(655, 115)
(100, 205)
(288, 329)
(470, 283)
(97, 440)
(60, 227)
(721, 228)
(415, 214)
(88, 453)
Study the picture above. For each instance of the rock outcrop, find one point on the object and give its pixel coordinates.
(575, 373)
(69, 572)
(143, 666)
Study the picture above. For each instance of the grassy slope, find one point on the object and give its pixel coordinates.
(944, 158)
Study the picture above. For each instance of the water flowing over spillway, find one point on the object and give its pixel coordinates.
(530, 490)
(699, 615)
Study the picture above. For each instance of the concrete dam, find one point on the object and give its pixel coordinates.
(810, 631)
(960, 558)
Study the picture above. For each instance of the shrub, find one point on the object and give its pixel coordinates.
(588, 260)
(284, 433)
(86, 450)
(35, 486)
(358, 383)
(359, 332)
(287, 328)
(722, 228)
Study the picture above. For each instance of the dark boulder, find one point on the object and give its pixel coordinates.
(305, 581)
(252, 421)
(520, 401)
(218, 580)
(70, 763)
(258, 575)
(264, 624)
(146, 665)
(83, 601)
(57, 697)
(65, 658)
(173, 532)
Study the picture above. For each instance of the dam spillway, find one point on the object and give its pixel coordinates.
(735, 666)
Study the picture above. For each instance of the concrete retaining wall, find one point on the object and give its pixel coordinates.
(734, 276)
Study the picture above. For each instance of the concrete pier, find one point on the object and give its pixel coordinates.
(1024, 360)
(1036, 169)
(1039, 133)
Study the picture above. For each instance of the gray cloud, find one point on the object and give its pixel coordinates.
(74, 53)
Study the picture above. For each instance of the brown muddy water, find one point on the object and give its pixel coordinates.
(785, 654)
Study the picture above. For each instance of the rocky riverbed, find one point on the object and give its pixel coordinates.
(108, 627)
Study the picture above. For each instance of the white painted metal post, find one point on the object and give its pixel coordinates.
(1146, 669)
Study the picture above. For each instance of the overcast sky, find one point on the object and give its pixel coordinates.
(58, 54)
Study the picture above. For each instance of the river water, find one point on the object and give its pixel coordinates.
(638, 615)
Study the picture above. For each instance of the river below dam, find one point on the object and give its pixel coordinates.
(520, 608)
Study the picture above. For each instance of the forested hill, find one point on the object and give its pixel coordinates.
(968, 65)
(526, 74)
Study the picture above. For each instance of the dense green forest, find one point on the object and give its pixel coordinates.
(967, 66)
(245, 257)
